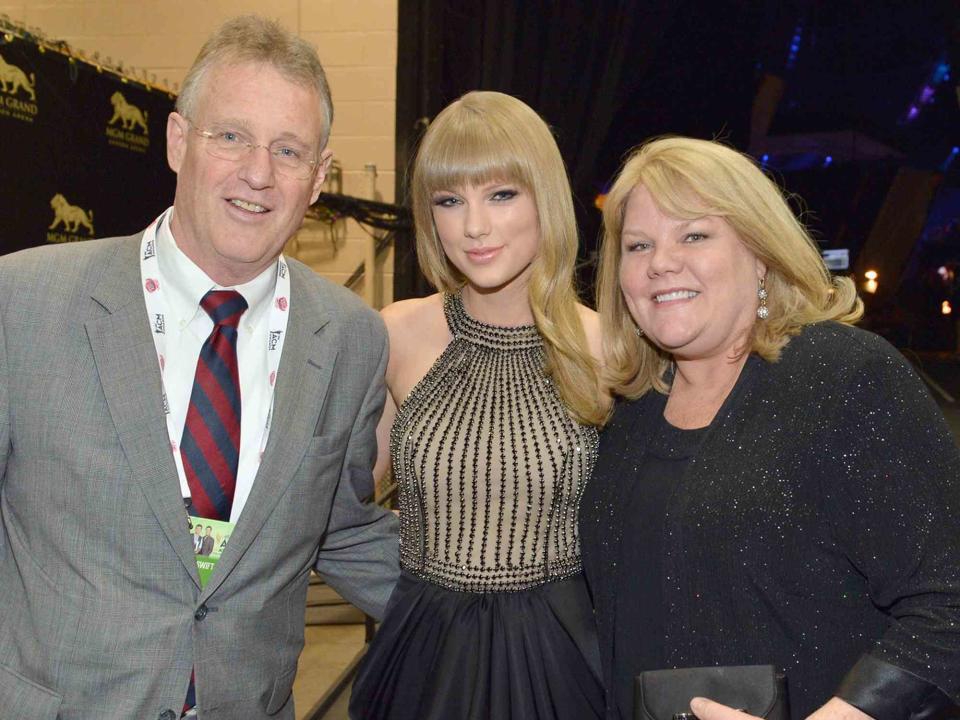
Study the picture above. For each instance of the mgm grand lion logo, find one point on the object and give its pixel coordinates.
(129, 116)
(127, 128)
(14, 79)
(70, 216)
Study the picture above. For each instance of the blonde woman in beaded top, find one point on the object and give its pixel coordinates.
(491, 424)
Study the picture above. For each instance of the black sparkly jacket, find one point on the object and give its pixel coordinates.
(817, 529)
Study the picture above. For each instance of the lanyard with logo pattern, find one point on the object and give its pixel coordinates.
(156, 308)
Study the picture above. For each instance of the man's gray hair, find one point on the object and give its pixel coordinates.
(250, 38)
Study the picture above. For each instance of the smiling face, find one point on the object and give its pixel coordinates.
(690, 285)
(232, 218)
(489, 232)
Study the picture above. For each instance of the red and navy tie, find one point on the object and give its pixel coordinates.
(210, 447)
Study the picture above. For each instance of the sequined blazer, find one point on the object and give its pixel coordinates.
(818, 529)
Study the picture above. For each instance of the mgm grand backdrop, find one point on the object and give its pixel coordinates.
(83, 147)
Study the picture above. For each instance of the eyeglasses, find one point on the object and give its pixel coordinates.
(290, 159)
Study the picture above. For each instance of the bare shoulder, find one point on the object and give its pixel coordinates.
(591, 328)
(418, 336)
(414, 320)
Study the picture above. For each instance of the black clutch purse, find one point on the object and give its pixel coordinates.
(756, 689)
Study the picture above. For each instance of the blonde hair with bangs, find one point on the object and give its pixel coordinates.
(690, 178)
(491, 137)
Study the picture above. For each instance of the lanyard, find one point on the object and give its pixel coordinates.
(156, 309)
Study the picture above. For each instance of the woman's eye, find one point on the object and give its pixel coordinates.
(638, 246)
(445, 201)
(506, 194)
(694, 237)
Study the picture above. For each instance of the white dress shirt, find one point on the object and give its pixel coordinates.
(188, 327)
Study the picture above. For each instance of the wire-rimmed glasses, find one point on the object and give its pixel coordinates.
(290, 158)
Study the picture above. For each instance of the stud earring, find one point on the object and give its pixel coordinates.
(639, 332)
(762, 311)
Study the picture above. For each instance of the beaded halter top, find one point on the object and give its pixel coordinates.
(489, 464)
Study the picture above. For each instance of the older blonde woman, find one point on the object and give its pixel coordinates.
(491, 422)
(775, 486)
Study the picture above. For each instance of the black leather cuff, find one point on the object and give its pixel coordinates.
(888, 692)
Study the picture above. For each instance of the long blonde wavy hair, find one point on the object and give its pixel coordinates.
(490, 137)
(690, 178)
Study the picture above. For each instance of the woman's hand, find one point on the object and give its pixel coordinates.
(834, 709)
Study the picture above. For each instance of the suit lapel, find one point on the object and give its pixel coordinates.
(303, 379)
(129, 374)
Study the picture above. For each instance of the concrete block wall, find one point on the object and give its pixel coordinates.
(357, 43)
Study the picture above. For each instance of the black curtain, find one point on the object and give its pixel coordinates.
(83, 148)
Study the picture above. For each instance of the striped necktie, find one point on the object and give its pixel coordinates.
(210, 446)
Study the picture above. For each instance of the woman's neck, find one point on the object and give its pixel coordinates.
(507, 306)
(699, 389)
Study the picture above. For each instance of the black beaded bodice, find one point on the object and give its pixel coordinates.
(489, 464)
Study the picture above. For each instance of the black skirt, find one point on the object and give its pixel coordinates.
(448, 655)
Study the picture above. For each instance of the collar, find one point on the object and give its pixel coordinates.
(186, 284)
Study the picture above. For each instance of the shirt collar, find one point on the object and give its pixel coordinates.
(185, 283)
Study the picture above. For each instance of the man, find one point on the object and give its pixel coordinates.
(197, 538)
(189, 371)
(206, 546)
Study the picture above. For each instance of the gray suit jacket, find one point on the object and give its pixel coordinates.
(101, 610)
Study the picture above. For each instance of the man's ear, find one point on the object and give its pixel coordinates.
(177, 129)
(323, 167)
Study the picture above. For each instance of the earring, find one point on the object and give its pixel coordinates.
(762, 311)
(639, 332)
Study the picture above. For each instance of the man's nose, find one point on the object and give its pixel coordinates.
(257, 167)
